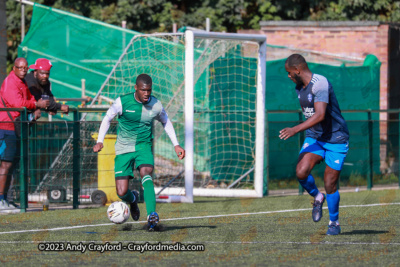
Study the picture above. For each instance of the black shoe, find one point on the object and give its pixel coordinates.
(317, 210)
(135, 212)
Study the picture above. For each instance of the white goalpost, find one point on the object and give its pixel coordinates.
(190, 191)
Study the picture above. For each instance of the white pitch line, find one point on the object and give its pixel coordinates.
(208, 242)
(191, 218)
(297, 243)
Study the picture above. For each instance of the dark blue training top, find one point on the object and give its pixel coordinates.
(333, 129)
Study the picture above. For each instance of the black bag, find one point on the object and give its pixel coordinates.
(17, 126)
(17, 122)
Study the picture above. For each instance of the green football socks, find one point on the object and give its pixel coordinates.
(128, 197)
(149, 194)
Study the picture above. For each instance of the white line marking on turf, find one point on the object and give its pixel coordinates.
(207, 242)
(191, 218)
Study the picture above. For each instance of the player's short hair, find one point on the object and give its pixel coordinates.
(295, 60)
(144, 78)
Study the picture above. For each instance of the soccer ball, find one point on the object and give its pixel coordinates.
(118, 212)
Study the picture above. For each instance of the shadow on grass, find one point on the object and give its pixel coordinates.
(165, 228)
(364, 232)
(220, 200)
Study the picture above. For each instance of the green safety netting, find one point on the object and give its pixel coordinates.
(78, 47)
(81, 48)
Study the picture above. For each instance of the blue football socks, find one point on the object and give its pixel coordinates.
(309, 185)
(333, 205)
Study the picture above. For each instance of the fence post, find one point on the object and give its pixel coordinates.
(23, 175)
(266, 154)
(301, 141)
(32, 141)
(76, 160)
(398, 150)
(370, 151)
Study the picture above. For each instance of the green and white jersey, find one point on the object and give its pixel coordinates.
(135, 122)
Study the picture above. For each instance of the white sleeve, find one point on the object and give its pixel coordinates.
(168, 127)
(321, 89)
(114, 110)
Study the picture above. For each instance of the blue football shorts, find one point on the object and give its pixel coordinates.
(333, 154)
(8, 145)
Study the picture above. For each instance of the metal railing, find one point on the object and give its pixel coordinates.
(372, 133)
(376, 131)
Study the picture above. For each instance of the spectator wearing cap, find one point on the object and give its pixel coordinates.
(14, 93)
(39, 84)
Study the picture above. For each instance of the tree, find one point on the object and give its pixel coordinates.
(149, 16)
(381, 10)
(13, 10)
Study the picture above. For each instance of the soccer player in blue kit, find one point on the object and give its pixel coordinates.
(327, 137)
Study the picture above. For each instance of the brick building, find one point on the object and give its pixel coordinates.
(349, 39)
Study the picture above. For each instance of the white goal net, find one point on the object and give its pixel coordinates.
(212, 87)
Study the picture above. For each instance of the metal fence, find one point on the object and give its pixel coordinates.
(57, 160)
(373, 157)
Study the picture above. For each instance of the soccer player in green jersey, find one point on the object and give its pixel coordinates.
(136, 112)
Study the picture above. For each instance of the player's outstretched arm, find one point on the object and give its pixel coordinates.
(286, 133)
(169, 129)
(98, 147)
(114, 110)
(180, 152)
(319, 115)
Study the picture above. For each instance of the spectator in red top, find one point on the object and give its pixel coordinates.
(14, 93)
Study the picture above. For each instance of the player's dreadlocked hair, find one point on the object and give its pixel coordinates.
(144, 78)
(295, 60)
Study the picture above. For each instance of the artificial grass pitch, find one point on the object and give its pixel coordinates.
(233, 231)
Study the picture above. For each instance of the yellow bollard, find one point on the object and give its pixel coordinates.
(105, 168)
